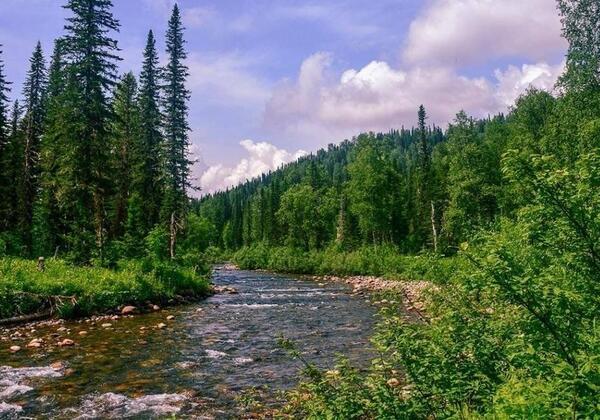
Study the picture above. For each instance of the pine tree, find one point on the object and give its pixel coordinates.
(126, 132)
(147, 182)
(84, 173)
(4, 159)
(177, 164)
(34, 91)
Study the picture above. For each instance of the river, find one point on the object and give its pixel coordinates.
(199, 364)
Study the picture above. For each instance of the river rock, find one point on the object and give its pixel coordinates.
(66, 343)
(161, 326)
(170, 317)
(127, 310)
(155, 308)
(36, 343)
(62, 329)
(14, 349)
(106, 325)
(82, 333)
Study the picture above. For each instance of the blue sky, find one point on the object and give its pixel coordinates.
(274, 79)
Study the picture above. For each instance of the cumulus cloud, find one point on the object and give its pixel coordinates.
(261, 158)
(459, 32)
(379, 97)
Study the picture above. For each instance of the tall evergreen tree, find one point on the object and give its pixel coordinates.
(46, 215)
(13, 153)
(147, 182)
(34, 91)
(177, 164)
(4, 160)
(126, 132)
(91, 73)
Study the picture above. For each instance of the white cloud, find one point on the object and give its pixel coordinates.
(514, 80)
(379, 97)
(261, 158)
(459, 32)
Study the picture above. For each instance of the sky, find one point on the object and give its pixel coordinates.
(272, 80)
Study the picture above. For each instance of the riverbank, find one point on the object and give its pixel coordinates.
(67, 291)
(212, 355)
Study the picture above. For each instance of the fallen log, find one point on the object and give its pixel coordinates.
(27, 318)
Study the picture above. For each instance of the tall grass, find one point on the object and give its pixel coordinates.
(23, 288)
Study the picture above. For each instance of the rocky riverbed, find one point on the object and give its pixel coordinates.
(191, 360)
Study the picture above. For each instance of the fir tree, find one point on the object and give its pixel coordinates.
(125, 131)
(46, 216)
(177, 164)
(4, 159)
(13, 153)
(91, 73)
(147, 182)
(34, 92)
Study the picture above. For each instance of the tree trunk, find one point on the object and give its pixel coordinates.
(433, 227)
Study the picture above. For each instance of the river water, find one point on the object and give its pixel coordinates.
(199, 364)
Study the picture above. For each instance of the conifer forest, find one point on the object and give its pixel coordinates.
(464, 257)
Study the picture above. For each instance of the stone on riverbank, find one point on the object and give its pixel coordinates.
(127, 310)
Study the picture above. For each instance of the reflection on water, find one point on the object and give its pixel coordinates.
(206, 356)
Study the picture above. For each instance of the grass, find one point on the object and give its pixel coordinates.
(24, 289)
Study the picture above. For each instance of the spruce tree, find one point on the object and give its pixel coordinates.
(34, 91)
(147, 177)
(177, 164)
(85, 176)
(13, 154)
(4, 159)
(46, 215)
(126, 132)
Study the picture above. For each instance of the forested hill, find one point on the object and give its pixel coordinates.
(408, 188)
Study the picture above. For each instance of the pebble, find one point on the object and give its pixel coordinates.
(170, 317)
(155, 308)
(36, 343)
(14, 349)
(82, 332)
(107, 325)
(66, 343)
(62, 329)
(161, 325)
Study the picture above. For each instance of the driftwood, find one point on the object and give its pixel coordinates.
(26, 318)
(52, 302)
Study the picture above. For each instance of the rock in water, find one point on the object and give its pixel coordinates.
(170, 317)
(66, 343)
(14, 349)
(127, 310)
